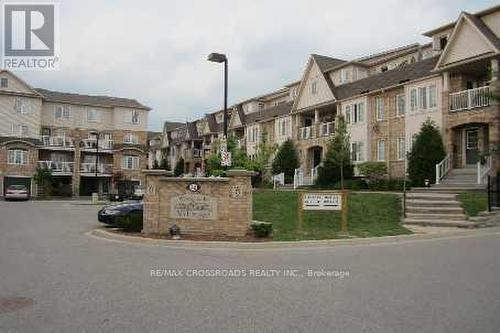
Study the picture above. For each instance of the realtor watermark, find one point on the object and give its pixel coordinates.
(30, 36)
(249, 273)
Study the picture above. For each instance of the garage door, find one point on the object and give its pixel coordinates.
(26, 181)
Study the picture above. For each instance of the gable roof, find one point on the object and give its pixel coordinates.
(491, 46)
(24, 83)
(104, 101)
(387, 79)
(269, 113)
(240, 114)
(325, 62)
(192, 131)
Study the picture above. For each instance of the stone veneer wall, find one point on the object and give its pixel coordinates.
(232, 196)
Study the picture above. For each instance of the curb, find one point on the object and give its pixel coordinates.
(276, 245)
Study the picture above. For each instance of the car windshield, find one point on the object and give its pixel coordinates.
(17, 187)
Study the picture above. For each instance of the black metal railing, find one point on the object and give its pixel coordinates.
(493, 191)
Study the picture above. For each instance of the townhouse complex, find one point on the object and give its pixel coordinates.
(90, 143)
(384, 99)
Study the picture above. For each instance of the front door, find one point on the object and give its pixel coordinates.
(471, 146)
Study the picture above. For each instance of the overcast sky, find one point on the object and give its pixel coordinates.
(155, 51)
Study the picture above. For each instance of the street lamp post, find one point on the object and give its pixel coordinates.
(219, 57)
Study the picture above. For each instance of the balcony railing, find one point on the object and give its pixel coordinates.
(102, 169)
(326, 129)
(470, 99)
(305, 133)
(57, 167)
(91, 143)
(57, 141)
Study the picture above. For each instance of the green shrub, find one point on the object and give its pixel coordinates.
(179, 168)
(286, 160)
(262, 229)
(373, 170)
(131, 223)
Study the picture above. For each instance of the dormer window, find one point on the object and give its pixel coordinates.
(4, 82)
(344, 76)
(442, 42)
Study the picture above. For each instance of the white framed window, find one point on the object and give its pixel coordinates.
(314, 87)
(344, 75)
(381, 150)
(347, 114)
(413, 100)
(130, 162)
(432, 96)
(20, 106)
(401, 148)
(62, 112)
(4, 82)
(357, 151)
(400, 105)
(358, 113)
(253, 133)
(17, 156)
(92, 115)
(20, 130)
(130, 138)
(422, 98)
(379, 108)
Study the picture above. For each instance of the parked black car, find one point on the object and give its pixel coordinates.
(108, 214)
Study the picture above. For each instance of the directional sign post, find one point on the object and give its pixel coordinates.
(323, 201)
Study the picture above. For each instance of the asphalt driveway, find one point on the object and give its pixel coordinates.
(54, 277)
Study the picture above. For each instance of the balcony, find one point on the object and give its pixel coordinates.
(58, 168)
(193, 153)
(326, 129)
(305, 133)
(89, 169)
(91, 144)
(57, 142)
(470, 99)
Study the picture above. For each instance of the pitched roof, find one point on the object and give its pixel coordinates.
(325, 62)
(104, 101)
(387, 79)
(213, 126)
(269, 113)
(170, 125)
(485, 30)
(192, 130)
(240, 114)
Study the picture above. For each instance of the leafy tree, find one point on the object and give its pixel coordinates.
(179, 167)
(43, 178)
(337, 165)
(286, 160)
(427, 151)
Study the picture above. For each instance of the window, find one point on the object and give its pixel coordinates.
(413, 100)
(344, 75)
(359, 112)
(383, 69)
(432, 96)
(261, 106)
(381, 150)
(357, 154)
(134, 115)
(92, 115)
(314, 87)
(130, 162)
(62, 112)
(401, 148)
(18, 156)
(379, 108)
(19, 106)
(283, 125)
(347, 114)
(400, 105)
(254, 134)
(130, 138)
(20, 130)
(422, 97)
(442, 42)
(4, 82)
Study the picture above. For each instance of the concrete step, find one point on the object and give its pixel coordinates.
(432, 217)
(441, 223)
(411, 202)
(463, 171)
(430, 195)
(456, 179)
(434, 210)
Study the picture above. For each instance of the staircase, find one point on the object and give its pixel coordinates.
(438, 205)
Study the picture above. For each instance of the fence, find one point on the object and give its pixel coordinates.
(493, 191)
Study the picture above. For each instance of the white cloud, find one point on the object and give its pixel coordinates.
(155, 51)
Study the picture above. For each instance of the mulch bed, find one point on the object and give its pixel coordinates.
(248, 238)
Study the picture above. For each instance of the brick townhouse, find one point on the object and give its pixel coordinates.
(90, 143)
(384, 98)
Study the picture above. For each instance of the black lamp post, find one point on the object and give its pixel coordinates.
(219, 57)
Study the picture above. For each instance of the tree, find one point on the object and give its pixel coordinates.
(337, 165)
(427, 151)
(286, 160)
(179, 167)
(43, 178)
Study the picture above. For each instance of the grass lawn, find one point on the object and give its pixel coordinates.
(473, 202)
(369, 215)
